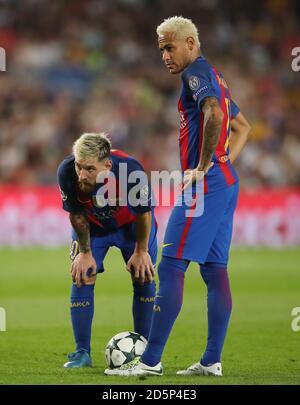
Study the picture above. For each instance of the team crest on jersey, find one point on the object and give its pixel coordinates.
(194, 83)
(223, 159)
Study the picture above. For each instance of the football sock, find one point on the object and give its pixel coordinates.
(167, 305)
(219, 306)
(82, 311)
(142, 307)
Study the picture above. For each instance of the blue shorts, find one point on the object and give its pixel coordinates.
(204, 238)
(124, 238)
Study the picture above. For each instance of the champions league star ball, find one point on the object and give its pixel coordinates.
(123, 348)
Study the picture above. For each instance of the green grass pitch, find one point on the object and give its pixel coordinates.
(261, 347)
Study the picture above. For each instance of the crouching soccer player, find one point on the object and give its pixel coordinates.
(85, 179)
(208, 117)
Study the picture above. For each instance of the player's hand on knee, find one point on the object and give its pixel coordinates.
(141, 267)
(149, 272)
(84, 269)
(149, 275)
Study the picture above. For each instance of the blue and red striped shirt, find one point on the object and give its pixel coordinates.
(103, 219)
(201, 80)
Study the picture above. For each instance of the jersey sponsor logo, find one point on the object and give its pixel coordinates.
(194, 83)
(105, 215)
(183, 120)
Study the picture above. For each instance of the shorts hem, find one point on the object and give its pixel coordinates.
(196, 259)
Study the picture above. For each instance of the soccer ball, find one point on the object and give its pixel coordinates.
(123, 348)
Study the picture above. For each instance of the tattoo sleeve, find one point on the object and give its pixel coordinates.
(82, 228)
(213, 117)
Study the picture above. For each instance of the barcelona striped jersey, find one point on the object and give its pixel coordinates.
(201, 80)
(103, 219)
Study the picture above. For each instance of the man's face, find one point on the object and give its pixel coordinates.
(88, 170)
(176, 53)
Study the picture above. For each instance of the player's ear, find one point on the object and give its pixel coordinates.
(108, 164)
(191, 43)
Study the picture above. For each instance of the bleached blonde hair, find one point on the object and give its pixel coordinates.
(91, 146)
(182, 27)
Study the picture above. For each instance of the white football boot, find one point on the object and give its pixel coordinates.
(198, 369)
(135, 368)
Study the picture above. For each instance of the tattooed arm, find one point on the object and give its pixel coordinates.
(84, 266)
(213, 117)
(82, 229)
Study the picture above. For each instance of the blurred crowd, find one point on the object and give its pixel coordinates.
(93, 65)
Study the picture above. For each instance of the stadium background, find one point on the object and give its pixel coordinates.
(91, 65)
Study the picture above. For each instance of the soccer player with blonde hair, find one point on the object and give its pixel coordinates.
(96, 191)
(213, 132)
